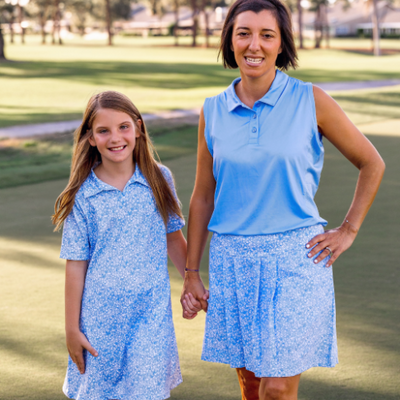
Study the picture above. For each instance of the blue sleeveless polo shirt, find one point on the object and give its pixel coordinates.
(267, 160)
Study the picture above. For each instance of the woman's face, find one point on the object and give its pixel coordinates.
(256, 43)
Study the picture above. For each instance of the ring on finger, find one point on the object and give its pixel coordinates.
(330, 251)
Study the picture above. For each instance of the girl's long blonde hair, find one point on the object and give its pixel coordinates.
(85, 156)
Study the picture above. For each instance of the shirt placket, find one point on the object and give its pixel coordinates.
(254, 125)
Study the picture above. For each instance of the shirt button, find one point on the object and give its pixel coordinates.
(254, 130)
(254, 116)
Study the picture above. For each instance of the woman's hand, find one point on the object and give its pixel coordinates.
(76, 342)
(332, 242)
(194, 295)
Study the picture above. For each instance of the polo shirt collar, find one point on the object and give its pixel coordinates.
(93, 185)
(270, 98)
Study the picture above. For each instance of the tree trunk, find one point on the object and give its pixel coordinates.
(109, 22)
(11, 27)
(176, 27)
(300, 22)
(318, 27)
(206, 22)
(20, 19)
(375, 29)
(42, 29)
(56, 22)
(2, 54)
(206, 18)
(195, 23)
(326, 27)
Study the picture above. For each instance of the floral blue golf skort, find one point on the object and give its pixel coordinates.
(271, 309)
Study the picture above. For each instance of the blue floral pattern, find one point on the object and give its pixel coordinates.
(271, 309)
(126, 306)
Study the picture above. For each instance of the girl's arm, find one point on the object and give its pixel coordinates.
(75, 274)
(177, 248)
(200, 211)
(342, 133)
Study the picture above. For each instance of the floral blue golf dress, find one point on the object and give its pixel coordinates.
(126, 306)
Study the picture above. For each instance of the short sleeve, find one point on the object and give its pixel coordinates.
(75, 238)
(174, 221)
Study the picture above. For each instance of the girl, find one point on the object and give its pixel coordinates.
(121, 216)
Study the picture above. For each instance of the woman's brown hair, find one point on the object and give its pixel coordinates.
(86, 156)
(287, 58)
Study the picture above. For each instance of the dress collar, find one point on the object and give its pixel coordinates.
(270, 98)
(93, 185)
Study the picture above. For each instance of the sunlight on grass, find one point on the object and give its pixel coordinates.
(54, 83)
(366, 279)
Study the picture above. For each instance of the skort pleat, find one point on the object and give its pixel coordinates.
(271, 309)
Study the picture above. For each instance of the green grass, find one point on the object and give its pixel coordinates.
(24, 162)
(54, 83)
(367, 279)
(30, 161)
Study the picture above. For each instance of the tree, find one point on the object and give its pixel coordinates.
(204, 5)
(176, 24)
(320, 7)
(2, 53)
(9, 17)
(300, 23)
(56, 31)
(375, 26)
(41, 9)
(81, 9)
(195, 25)
(2, 45)
(109, 22)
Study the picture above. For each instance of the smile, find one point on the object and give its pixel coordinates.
(254, 60)
(116, 148)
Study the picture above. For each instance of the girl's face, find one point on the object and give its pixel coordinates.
(256, 43)
(114, 135)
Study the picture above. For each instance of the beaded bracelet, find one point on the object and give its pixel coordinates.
(191, 270)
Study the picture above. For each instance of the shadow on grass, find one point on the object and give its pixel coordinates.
(163, 75)
(32, 117)
(366, 277)
(33, 259)
(388, 102)
(315, 390)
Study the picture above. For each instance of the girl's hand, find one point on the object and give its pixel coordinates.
(336, 240)
(194, 296)
(76, 342)
(191, 306)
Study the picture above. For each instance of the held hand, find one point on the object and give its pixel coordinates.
(194, 296)
(332, 242)
(76, 342)
(191, 306)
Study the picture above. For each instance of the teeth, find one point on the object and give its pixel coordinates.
(254, 60)
(116, 148)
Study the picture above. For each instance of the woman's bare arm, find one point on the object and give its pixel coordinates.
(343, 134)
(200, 211)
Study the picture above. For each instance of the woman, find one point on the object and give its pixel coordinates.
(271, 308)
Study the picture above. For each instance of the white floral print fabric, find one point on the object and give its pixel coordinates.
(126, 307)
(271, 308)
